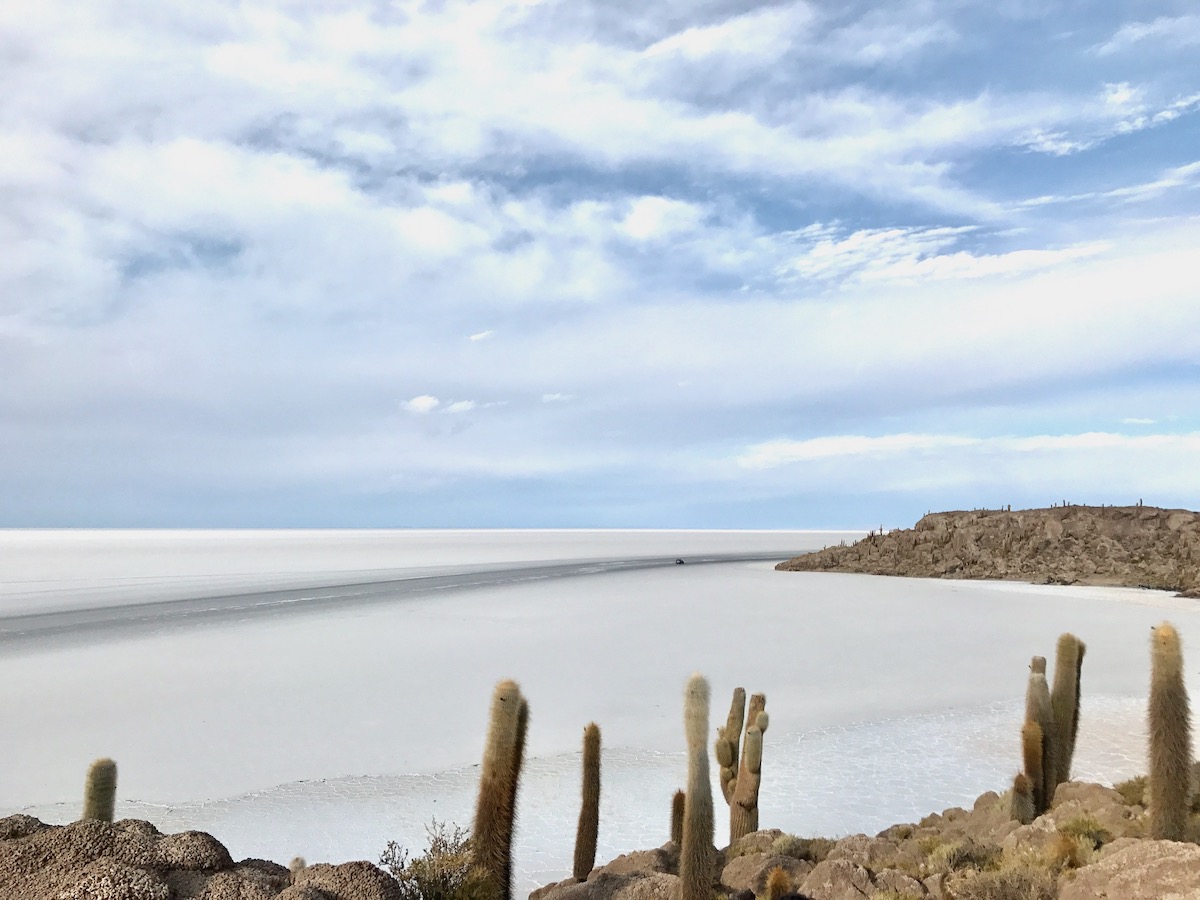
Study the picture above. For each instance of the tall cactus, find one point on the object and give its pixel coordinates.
(743, 810)
(1022, 799)
(1169, 784)
(100, 791)
(697, 858)
(1064, 700)
(589, 812)
(728, 739)
(741, 776)
(1038, 709)
(1031, 754)
(495, 809)
(677, 805)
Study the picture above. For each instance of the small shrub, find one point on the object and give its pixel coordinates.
(444, 872)
(1016, 883)
(1133, 791)
(1068, 851)
(967, 854)
(813, 850)
(1086, 828)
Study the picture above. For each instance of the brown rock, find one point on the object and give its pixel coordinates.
(193, 850)
(901, 883)
(19, 826)
(639, 862)
(655, 886)
(107, 879)
(749, 873)
(838, 879)
(756, 842)
(1139, 870)
(358, 880)
(866, 851)
(1074, 800)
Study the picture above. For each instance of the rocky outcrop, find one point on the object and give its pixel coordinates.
(1133, 546)
(1139, 870)
(132, 860)
(976, 852)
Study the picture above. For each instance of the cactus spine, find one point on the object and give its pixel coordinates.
(697, 858)
(1038, 709)
(495, 809)
(100, 790)
(677, 806)
(1064, 700)
(1169, 787)
(589, 812)
(1022, 799)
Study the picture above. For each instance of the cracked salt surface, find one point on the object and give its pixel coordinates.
(889, 699)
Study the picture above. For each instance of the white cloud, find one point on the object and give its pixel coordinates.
(1168, 31)
(1138, 421)
(460, 406)
(480, 336)
(555, 397)
(421, 404)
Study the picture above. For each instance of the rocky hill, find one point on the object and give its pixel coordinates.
(1133, 546)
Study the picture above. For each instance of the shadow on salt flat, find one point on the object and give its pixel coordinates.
(830, 782)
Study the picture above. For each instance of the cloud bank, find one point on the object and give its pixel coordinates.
(575, 263)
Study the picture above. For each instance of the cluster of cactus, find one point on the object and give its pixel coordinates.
(741, 775)
(1050, 729)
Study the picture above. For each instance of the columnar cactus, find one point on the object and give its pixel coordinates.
(1169, 783)
(495, 809)
(1038, 709)
(743, 809)
(741, 777)
(697, 858)
(728, 739)
(1031, 755)
(1022, 799)
(100, 791)
(589, 812)
(1064, 700)
(677, 806)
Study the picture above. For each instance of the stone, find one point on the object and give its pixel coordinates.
(1139, 870)
(359, 880)
(838, 879)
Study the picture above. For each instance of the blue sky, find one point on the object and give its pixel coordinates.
(575, 263)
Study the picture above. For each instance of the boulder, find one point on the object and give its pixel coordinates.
(749, 873)
(871, 853)
(1139, 870)
(359, 880)
(838, 879)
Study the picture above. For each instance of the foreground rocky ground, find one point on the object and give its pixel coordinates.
(1134, 546)
(1089, 845)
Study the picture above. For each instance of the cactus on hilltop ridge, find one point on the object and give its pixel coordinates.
(100, 791)
(697, 857)
(588, 831)
(1169, 782)
(495, 809)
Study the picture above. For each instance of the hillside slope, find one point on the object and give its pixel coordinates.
(1134, 546)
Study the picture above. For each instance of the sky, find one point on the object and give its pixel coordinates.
(593, 263)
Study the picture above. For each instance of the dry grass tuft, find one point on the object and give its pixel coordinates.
(1015, 883)
(1133, 791)
(814, 850)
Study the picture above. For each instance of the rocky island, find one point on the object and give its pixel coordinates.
(1129, 546)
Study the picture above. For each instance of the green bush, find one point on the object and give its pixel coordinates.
(445, 871)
